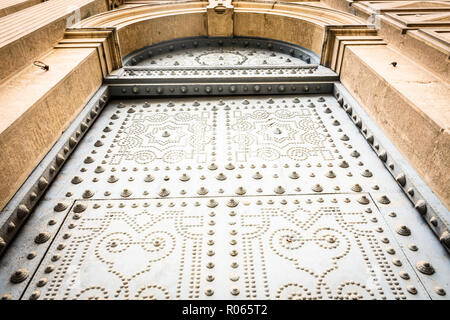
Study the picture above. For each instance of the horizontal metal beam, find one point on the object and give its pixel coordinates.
(218, 89)
(215, 75)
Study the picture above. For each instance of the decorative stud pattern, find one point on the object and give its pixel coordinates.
(183, 236)
(221, 193)
(237, 51)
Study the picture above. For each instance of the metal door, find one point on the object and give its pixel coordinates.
(263, 197)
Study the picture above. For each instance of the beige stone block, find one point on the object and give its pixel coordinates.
(23, 37)
(37, 106)
(337, 38)
(147, 32)
(11, 6)
(409, 104)
(304, 33)
(429, 47)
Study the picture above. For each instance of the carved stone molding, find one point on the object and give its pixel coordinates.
(30, 33)
(104, 39)
(336, 38)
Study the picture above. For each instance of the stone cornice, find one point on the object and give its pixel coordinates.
(123, 17)
(104, 39)
(313, 12)
(35, 17)
(333, 46)
(29, 33)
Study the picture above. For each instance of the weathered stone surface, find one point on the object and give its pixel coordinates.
(409, 104)
(24, 38)
(11, 6)
(220, 18)
(35, 110)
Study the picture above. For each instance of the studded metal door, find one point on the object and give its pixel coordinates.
(224, 197)
(221, 198)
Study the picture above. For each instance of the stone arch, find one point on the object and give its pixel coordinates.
(305, 25)
(246, 43)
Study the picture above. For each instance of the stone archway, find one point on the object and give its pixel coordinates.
(97, 47)
(186, 179)
(304, 25)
